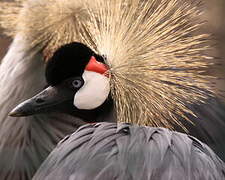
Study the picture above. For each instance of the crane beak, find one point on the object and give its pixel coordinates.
(46, 101)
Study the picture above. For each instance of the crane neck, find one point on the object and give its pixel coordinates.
(104, 113)
(26, 141)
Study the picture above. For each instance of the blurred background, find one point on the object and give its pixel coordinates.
(215, 16)
(215, 13)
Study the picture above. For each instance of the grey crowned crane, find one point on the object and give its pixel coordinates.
(156, 61)
(109, 150)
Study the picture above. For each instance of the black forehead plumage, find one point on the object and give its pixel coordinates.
(68, 61)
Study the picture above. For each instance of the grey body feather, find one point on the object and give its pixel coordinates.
(109, 151)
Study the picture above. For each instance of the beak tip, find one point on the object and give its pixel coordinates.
(20, 110)
(15, 114)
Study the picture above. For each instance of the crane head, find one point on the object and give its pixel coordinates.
(75, 75)
(157, 53)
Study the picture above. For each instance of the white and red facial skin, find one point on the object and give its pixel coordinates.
(96, 86)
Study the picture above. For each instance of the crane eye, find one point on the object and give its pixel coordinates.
(77, 83)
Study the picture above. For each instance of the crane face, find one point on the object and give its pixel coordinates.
(74, 75)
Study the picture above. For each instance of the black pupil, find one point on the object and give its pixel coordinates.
(77, 83)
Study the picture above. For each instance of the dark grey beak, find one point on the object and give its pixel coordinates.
(45, 101)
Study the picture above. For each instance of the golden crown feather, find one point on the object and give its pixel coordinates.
(154, 48)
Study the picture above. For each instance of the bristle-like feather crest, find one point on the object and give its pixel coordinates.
(156, 53)
(155, 50)
(9, 12)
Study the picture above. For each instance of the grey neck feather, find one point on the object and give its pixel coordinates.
(26, 141)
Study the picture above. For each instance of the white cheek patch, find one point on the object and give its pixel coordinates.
(94, 92)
